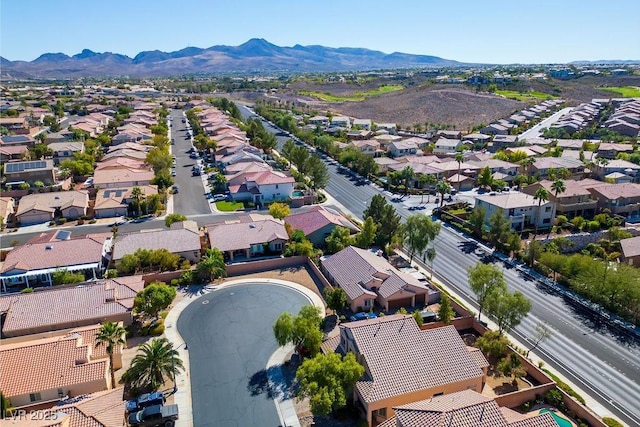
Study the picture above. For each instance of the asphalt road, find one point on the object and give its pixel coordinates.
(536, 130)
(190, 199)
(598, 360)
(229, 338)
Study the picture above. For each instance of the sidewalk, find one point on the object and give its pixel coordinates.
(182, 398)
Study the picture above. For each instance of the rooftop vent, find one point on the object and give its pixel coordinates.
(48, 247)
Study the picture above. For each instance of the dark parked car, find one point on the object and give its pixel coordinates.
(144, 400)
(156, 415)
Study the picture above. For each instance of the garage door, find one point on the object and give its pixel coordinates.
(402, 302)
(420, 300)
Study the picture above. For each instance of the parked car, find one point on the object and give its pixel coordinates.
(156, 415)
(219, 197)
(173, 172)
(362, 316)
(175, 189)
(144, 400)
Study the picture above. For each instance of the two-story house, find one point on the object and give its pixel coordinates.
(574, 201)
(404, 147)
(520, 209)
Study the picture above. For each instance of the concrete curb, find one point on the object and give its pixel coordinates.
(284, 403)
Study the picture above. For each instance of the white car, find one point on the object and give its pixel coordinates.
(173, 172)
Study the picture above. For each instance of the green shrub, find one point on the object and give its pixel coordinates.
(554, 398)
(62, 220)
(175, 282)
(565, 387)
(187, 278)
(93, 221)
(593, 226)
(612, 422)
(157, 329)
(27, 291)
(52, 223)
(154, 328)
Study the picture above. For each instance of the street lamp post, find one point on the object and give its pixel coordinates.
(173, 366)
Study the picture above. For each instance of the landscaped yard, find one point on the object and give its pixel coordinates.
(226, 206)
(524, 96)
(355, 97)
(624, 91)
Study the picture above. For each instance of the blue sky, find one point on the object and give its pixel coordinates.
(484, 31)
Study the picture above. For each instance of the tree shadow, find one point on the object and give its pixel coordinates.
(194, 291)
(271, 382)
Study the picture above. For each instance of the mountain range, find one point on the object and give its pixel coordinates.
(256, 55)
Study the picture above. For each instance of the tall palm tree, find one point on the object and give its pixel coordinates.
(407, 174)
(526, 163)
(111, 335)
(557, 187)
(459, 158)
(541, 195)
(443, 187)
(137, 195)
(155, 361)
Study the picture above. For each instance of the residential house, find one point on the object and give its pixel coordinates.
(404, 147)
(340, 121)
(30, 171)
(390, 128)
(122, 163)
(610, 150)
(623, 127)
(384, 162)
(542, 165)
(34, 262)
(248, 238)
(619, 199)
(13, 140)
(319, 121)
(15, 125)
(464, 409)
(65, 150)
(477, 138)
(367, 277)
(631, 251)
(261, 187)
(114, 202)
(370, 147)
(37, 208)
(73, 368)
(501, 142)
(182, 239)
(122, 177)
(618, 165)
(449, 134)
(574, 201)
(507, 169)
(386, 139)
(12, 152)
(446, 146)
(317, 223)
(362, 124)
(89, 303)
(359, 134)
(7, 210)
(495, 129)
(520, 209)
(404, 364)
(100, 409)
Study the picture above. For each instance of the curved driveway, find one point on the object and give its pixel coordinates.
(230, 339)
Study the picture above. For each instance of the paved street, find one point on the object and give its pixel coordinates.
(592, 357)
(229, 338)
(190, 199)
(536, 130)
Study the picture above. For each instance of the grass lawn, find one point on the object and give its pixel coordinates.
(624, 91)
(524, 96)
(226, 206)
(356, 96)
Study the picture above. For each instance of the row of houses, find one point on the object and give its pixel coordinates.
(579, 118)
(536, 112)
(625, 120)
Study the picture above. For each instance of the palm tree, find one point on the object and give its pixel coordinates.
(137, 195)
(155, 360)
(459, 158)
(526, 163)
(557, 187)
(407, 174)
(443, 187)
(111, 335)
(541, 195)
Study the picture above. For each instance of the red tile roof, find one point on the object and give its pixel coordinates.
(317, 218)
(241, 235)
(51, 363)
(102, 409)
(46, 252)
(400, 358)
(83, 304)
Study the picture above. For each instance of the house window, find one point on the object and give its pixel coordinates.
(381, 413)
(276, 186)
(35, 397)
(438, 394)
(511, 212)
(546, 220)
(547, 209)
(367, 303)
